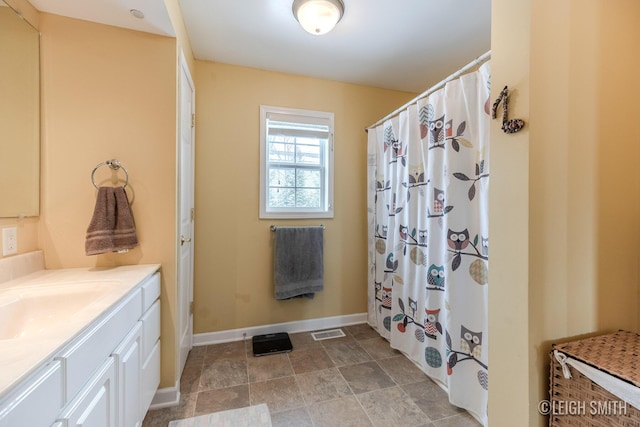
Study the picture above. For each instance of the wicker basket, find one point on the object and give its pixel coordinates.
(578, 401)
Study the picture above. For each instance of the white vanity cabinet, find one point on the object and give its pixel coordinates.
(105, 376)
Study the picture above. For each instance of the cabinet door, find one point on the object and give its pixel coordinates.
(150, 378)
(128, 358)
(150, 329)
(95, 405)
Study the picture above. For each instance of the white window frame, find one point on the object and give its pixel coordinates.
(297, 115)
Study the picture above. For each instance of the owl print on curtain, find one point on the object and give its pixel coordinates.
(429, 239)
(435, 278)
(458, 240)
(438, 201)
(436, 131)
(470, 342)
(432, 325)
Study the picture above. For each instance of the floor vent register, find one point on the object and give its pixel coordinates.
(326, 335)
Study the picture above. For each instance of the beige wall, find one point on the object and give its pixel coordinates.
(508, 220)
(233, 264)
(615, 110)
(564, 201)
(109, 93)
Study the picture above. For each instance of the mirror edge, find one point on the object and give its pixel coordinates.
(30, 15)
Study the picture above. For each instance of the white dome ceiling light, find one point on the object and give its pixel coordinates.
(318, 16)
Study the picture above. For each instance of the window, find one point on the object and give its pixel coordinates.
(296, 163)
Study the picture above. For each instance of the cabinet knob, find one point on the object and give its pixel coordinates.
(184, 240)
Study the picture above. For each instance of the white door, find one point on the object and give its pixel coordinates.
(185, 239)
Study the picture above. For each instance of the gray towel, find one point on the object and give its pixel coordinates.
(298, 262)
(111, 228)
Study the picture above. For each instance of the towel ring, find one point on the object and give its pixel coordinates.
(114, 165)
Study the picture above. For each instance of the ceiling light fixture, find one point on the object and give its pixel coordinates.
(318, 16)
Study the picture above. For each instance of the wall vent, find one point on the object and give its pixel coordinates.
(325, 335)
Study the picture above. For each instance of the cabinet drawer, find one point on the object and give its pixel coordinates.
(150, 329)
(43, 391)
(84, 356)
(150, 378)
(150, 291)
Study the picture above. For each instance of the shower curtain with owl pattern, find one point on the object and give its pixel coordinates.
(428, 184)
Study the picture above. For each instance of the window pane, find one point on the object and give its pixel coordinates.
(308, 178)
(280, 152)
(282, 177)
(282, 197)
(308, 154)
(309, 141)
(306, 198)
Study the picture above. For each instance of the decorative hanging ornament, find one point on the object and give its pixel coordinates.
(508, 126)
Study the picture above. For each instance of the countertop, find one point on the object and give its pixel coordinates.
(20, 357)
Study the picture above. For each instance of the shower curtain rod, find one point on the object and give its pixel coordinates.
(478, 61)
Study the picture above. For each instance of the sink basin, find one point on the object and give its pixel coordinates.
(32, 311)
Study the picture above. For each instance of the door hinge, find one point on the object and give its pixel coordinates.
(193, 214)
(191, 308)
(193, 120)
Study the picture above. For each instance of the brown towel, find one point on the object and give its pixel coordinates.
(111, 228)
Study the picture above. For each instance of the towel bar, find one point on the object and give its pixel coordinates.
(274, 227)
(114, 165)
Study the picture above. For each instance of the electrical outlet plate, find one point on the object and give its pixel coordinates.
(9, 241)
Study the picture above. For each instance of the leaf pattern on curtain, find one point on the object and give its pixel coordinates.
(428, 182)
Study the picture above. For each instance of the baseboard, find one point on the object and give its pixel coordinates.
(290, 327)
(166, 397)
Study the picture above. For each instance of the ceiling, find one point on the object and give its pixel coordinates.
(405, 45)
(113, 12)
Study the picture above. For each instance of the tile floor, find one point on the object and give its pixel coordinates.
(357, 380)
